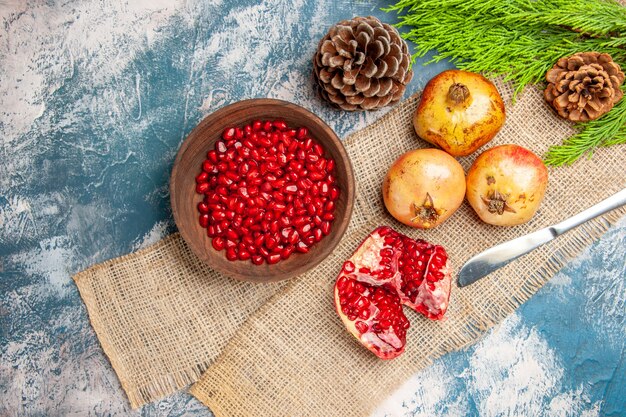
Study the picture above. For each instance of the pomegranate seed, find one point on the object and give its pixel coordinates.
(218, 243)
(202, 188)
(232, 235)
(361, 327)
(258, 260)
(229, 133)
(220, 146)
(212, 156)
(203, 207)
(218, 215)
(204, 220)
(294, 237)
(280, 124)
(286, 252)
(302, 247)
(259, 240)
(273, 258)
(318, 150)
(264, 252)
(231, 254)
(270, 242)
(267, 126)
(302, 132)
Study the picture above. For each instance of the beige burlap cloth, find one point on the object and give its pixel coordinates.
(163, 318)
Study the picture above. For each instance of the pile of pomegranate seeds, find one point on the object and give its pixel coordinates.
(268, 192)
(389, 270)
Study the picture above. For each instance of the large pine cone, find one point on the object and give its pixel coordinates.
(362, 64)
(584, 86)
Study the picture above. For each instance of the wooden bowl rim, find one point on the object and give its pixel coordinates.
(339, 228)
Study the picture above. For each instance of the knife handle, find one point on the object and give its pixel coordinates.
(613, 202)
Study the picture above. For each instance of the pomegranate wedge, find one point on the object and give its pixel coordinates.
(387, 270)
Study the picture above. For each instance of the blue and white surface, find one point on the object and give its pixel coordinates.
(96, 97)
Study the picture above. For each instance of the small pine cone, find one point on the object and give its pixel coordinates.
(584, 86)
(362, 64)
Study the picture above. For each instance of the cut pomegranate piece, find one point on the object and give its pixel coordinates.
(373, 314)
(387, 270)
(425, 278)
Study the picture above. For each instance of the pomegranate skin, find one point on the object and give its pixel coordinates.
(506, 185)
(459, 111)
(424, 187)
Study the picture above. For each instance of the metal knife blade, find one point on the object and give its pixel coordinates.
(488, 261)
(496, 257)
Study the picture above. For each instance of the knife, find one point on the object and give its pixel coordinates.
(494, 258)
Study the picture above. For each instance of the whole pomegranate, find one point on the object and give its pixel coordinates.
(459, 111)
(506, 185)
(424, 187)
(388, 270)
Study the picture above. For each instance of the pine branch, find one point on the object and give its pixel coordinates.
(521, 40)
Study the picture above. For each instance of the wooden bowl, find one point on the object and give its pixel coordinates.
(192, 153)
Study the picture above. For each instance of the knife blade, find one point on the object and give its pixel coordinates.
(496, 257)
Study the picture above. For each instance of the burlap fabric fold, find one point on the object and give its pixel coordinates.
(162, 317)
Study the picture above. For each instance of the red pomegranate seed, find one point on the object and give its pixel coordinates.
(286, 252)
(302, 132)
(203, 207)
(203, 176)
(258, 260)
(328, 217)
(273, 258)
(219, 243)
(231, 254)
(229, 133)
(202, 188)
(302, 247)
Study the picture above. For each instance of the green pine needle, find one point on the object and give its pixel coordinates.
(521, 40)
